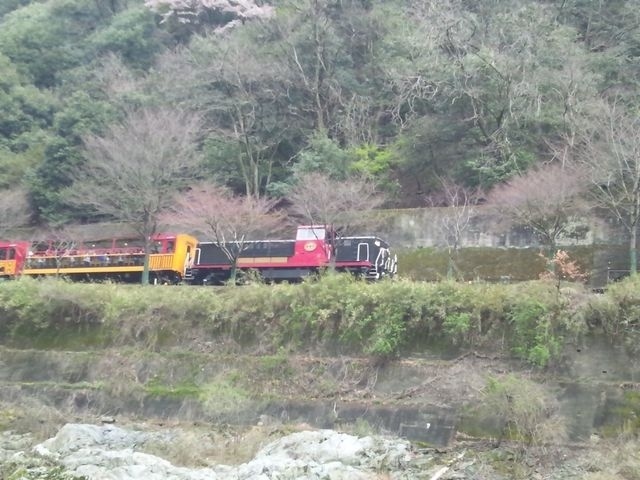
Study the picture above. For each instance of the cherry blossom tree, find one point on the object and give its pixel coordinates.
(133, 170)
(342, 205)
(224, 218)
(546, 200)
(188, 11)
(319, 199)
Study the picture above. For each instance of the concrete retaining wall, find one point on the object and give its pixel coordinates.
(424, 227)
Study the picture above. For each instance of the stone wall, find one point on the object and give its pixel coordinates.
(492, 249)
(423, 227)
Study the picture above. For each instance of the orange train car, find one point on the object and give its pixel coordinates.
(119, 259)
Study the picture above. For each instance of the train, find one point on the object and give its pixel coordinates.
(182, 258)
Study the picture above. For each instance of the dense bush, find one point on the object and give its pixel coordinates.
(522, 410)
(618, 313)
(336, 314)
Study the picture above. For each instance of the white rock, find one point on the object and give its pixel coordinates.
(109, 453)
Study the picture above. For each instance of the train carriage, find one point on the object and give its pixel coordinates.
(114, 259)
(314, 248)
(178, 257)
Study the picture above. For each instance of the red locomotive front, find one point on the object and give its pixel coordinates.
(313, 247)
(12, 258)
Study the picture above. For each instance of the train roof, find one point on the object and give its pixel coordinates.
(210, 242)
(13, 243)
(351, 237)
(263, 240)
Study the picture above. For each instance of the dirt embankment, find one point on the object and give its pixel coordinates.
(446, 407)
(240, 366)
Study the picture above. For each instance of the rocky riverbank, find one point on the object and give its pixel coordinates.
(140, 451)
(69, 414)
(468, 381)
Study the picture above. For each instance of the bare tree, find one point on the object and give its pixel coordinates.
(134, 169)
(319, 199)
(244, 97)
(416, 72)
(458, 208)
(14, 210)
(310, 51)
(342, 205)
(228, 220)
(59, 242)
(610, 156)
(546, 200)
(249, 114)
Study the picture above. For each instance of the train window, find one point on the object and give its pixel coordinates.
(363, 252)
(311, 233)
(170, 246)
(12, 254)
(3, 253)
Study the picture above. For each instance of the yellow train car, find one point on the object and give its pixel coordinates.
(120, 259)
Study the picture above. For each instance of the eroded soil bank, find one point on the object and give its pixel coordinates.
(518, 380)
(443, 406)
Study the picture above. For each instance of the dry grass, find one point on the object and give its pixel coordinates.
(30, 415)
(205, 446)
(613, 459)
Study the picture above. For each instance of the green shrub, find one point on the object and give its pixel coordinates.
(457, 325)
(617, 313)
(223, 395)
(523, 410)
(624, 418)
(335, 313)
(534, 338)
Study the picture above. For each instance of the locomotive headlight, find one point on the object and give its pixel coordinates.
(377, 243)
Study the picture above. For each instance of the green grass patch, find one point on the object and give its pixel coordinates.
(185, 389)
(624, 416)
(336, 315)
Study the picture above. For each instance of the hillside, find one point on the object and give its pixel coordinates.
(411, 92)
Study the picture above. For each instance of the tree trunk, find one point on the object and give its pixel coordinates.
(450, 266)
(633, 253)
(551, 253)
(234, 272)
(145, 269)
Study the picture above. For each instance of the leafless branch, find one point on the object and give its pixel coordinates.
(133, 170)
(545, 200)
(228, 220)
(321, 200)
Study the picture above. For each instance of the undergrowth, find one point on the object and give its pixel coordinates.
(530, 320)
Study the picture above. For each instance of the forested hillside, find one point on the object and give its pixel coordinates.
(411, 93)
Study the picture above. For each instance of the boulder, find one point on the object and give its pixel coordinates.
(111, 453)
